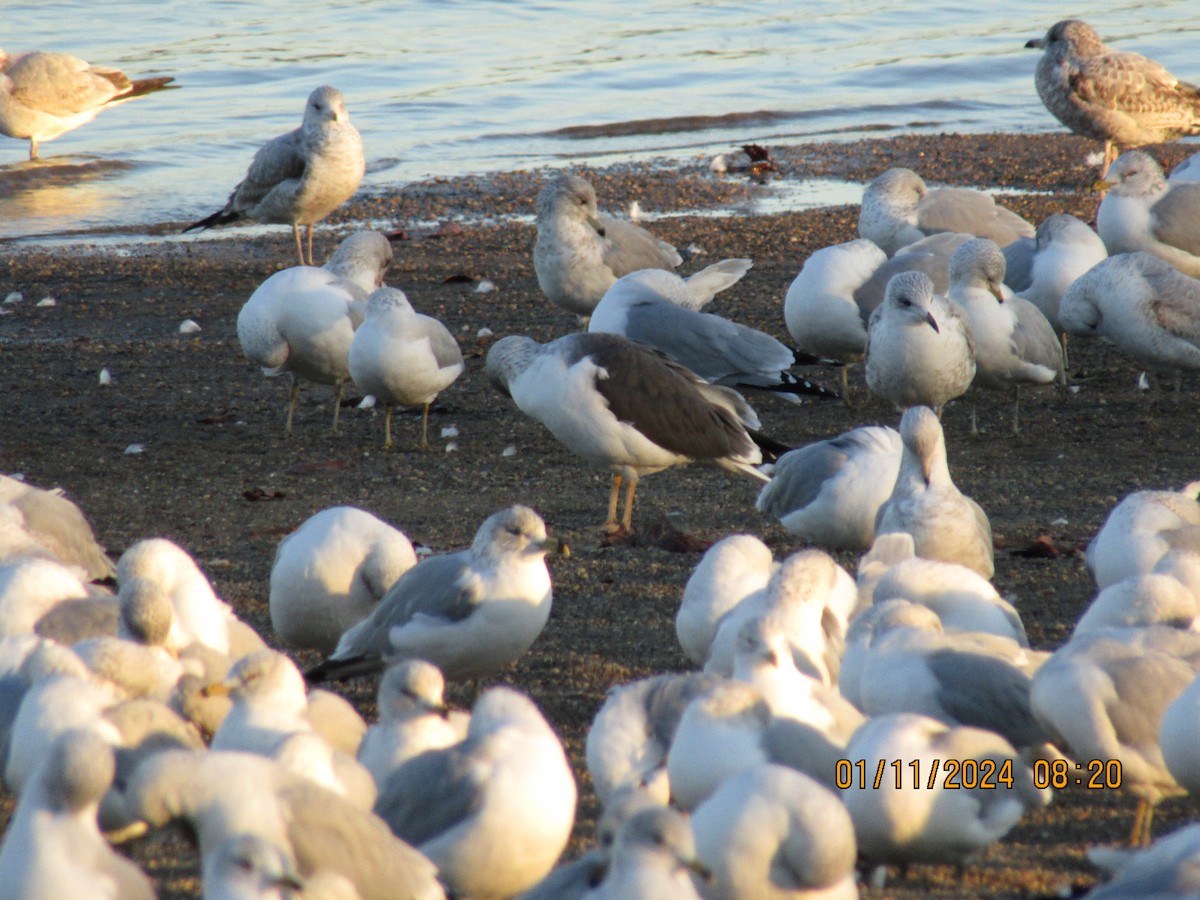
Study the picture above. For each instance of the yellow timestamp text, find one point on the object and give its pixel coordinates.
(1093, 774)
(927, 774)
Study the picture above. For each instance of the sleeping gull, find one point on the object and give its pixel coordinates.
(53, 847)
(330, 573)
(1143, 211)
(1143, 305)
(651, 306)
(300, 177)
(622, 405)
(494, 812)
(580, 252)
(1014, 343)
(919, 348)
(945, 524)
(827, 493)
(1152, 598)
(302, 320)
(53, 524)
(402, 357)
(220, 794)
(1115, 96)
(249, 866)
(771, 832)
(899, 209)
(469, 613)
(44, 95)
(1166, 870)
(733, 568)
(31, 587)
(654, 856)
(270, 702)
(1188, 170)
(1140, 530)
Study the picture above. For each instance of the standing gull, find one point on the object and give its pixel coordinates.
(899, 209)
(919, 349)
(1144, 211)
(402, 357)
(302, 320)
(651, 306)
(1146, 307)
(1115, 96)
(44, 95)
(580, 251)
(620, 404)
(300, 177)
(469, 613)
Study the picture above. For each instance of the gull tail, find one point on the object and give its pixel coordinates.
(341, 669)
(143, 86)
(771, 448)
(792, 388)
(220, 217)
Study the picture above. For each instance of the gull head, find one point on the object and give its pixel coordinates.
(569, 197)
(514, 533)
(1134, 174)
(979, 263)
(508, 358)
(362, 259)
(660, 836)
(921, 433)
(1070, 37)
(412, 685)
(898, 188)
(911, 295)
(325, 104)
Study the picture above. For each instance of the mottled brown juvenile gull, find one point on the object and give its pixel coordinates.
(771, 832)
(944, 523)
(54, 525)
(1143, 211)
(494, 812)
(469, 613)
(828, 493)
(919, 349)
(1115, 96)
(899, 209)
(44, 95)
(580, 251)
(651, 306)
(302, 320)
(300, 177)
(53, 846)
(402, 357)
(1143, 305)
(620, 404)
(330, 573)
(1014, 343)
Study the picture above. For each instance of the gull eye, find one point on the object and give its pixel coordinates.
(513, 530)
(904, 301)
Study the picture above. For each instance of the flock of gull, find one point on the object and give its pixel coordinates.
(834, 723)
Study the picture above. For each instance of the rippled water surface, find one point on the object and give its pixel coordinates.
(442, 88)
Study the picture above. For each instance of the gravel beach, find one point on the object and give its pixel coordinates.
(216, 473)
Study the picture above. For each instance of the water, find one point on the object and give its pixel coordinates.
(440, 88)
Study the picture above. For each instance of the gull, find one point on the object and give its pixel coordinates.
(494, 812)
(1165, 869)
(413, 718)
(1118, 97)
(302, 320)
(930, 255)
(777, 834)
(1152, 598)
(221, 794)
(1143, 305)
(53, 847)
(734, 567)
(1142, 211)
(248, 866)
(1105, 700)
(828, 493)
(44, 95)
(1188, 170)
(651, 306)
(31, 587)
(1014, 343)
(580, 252)
(53, 524)
(331, 572)
(653, 858)
(919, 348)
(469, 613)
(899, 209)
(402, 357)
(944, 523)
(1140, 530)
(907, 822)
(1179, 737)
(628, 741)
(269, 703)
(300, 177)
(622, 405)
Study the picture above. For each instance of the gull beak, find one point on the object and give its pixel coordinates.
(926, 469)
(1102, 185)
(558, 547)
(773, 658)
(703, 872)
(1035, 44)
(596, 226)
(996, 290)
(932, 322)
(216, 689)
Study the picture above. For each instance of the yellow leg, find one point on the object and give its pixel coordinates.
(299, 245)
(292, 403)
(387, 427)
(337, 405)
(33, 148)
(627, 521)
(308, 235)
(1140, 823)
(611, 524)
(425, 428)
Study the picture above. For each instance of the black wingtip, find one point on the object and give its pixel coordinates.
(807, 359)
(221, 217)
(798, 387)
(771, 448)
(341, 669)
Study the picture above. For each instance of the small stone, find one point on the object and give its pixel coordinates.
(14, 297)
(485, 286)
(510, 450)
(188, 326)
(105, 377)
(47, 301)
(135, 448)
(367, 402)
(450, 431)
